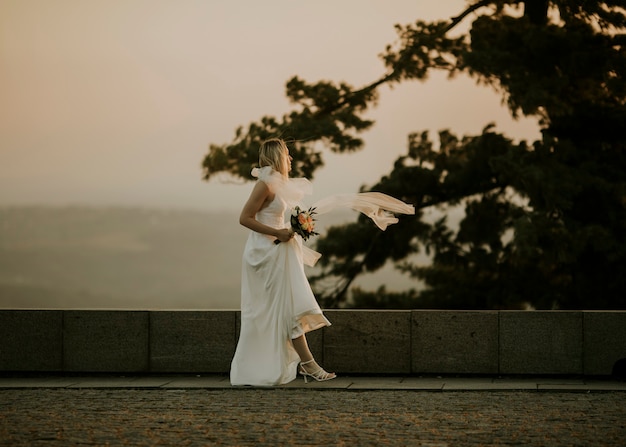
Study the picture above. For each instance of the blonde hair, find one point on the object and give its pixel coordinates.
(274, 153)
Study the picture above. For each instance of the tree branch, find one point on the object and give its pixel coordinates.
(454, 21)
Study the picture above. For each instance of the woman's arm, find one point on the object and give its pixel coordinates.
(259, 198)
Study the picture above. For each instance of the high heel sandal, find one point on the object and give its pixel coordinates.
(319, 374)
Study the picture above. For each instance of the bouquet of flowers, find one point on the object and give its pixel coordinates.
(302, 223)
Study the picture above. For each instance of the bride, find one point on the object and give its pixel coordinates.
(277, 304)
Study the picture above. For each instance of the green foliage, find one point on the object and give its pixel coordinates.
(542, 224)
(552, 68)
(324, 111)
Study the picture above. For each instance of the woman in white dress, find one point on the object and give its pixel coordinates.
(277, 305)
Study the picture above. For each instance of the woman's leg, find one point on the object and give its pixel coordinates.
(302, 348)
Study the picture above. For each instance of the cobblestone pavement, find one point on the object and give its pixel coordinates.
(330, 417)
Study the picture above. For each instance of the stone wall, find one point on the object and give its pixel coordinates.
(359, 341)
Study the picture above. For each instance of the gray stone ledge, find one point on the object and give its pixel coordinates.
(359, 341)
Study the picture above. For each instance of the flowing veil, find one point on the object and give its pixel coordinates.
(377, 206)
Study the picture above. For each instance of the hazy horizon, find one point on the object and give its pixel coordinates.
(130, 258)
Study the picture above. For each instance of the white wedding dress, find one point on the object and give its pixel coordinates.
(277, 303)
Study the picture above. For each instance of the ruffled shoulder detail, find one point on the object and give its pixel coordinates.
(264, 174)
(290, 190)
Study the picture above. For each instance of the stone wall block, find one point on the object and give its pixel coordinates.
(451, 342)
(541, 342)
(31, 340)
(192, 341)
(368, 342)
(106, 341)
(604, 341)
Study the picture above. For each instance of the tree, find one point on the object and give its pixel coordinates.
(544, 223)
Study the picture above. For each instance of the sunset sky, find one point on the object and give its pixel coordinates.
(114, 102)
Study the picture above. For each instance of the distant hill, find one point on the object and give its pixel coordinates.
(130, 258)
(79, 257)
